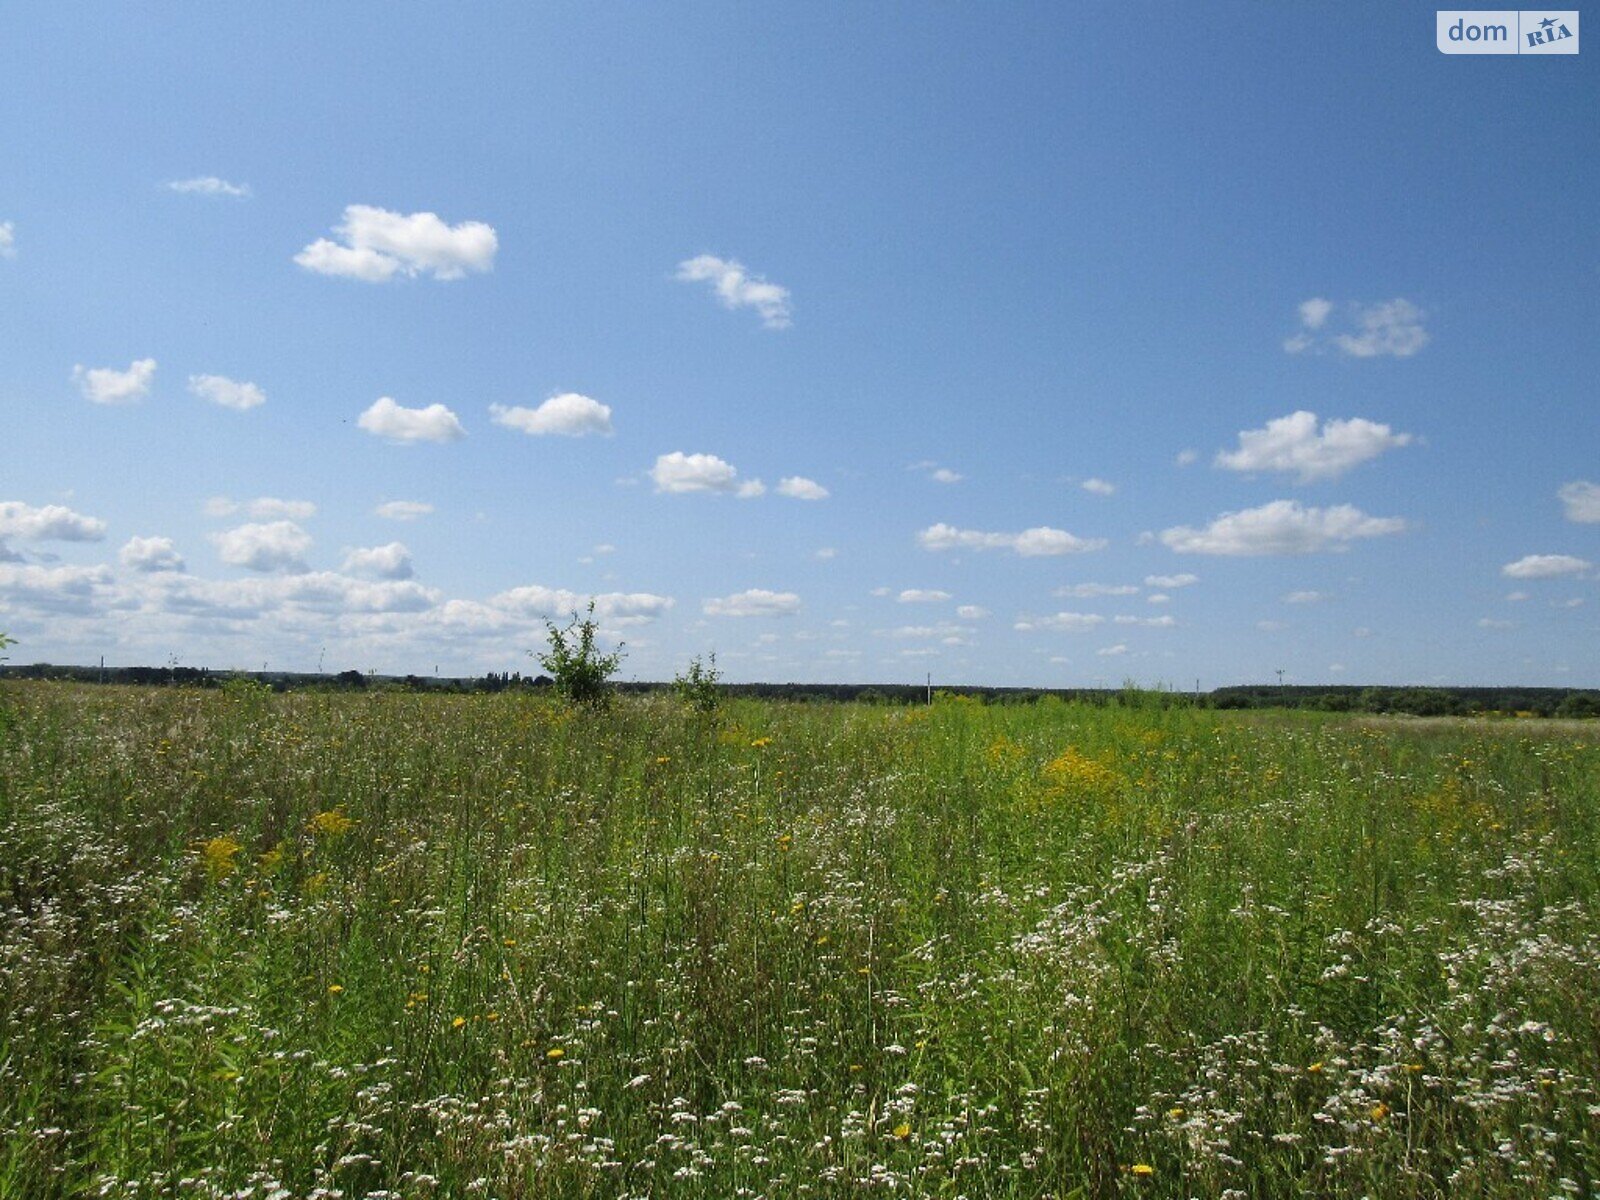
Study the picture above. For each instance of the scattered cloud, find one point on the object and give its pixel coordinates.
(1112, 651)
(391, 561)
(151, 554)
(52, 522)
(1098, 487)
(922, 596)
(935, 472)
(8, 239)
(219, 389)
(1293, 444)
(825, 554)
(756, 602)
(107, 385)
(798, 487)
(1304, 597)
(53, 590)
(1158, 598)
(396, 423)
(971, 612)
(1493, 623)
(1171, 581)
(1061, 622)
(1581, 500)
(1516, 597)
(378, 245)
(275, 546)
(262, 508)
(402, 510)
(1030, 543)
(1188, 457)
(737, 288)
(1162, 622)
(1281, 527)
(679, 473)
(1087, 591)
(210, 185)
(619, 609)
(1390, 328)
(1544, 566)
(568, 414)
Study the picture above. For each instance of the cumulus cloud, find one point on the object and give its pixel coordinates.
(568, 414)
(612, 608)
(391, 561)
(1061, 622)
(972, 612)
(935, 472)
(922, 596)
(1112, 651)
(392, 421)
(107, 385)
(1304, 597)
(8, 239)
(755, 602)
(798, 487)
(1281, 527)
(1086, 591)
(1030, 543)
(1389, 328)
(1544, 566)
(275, 546)
(151, 554)
(210, 185)
(402, 510)
(378, 245)
(1293, 444)
(1163, 622)
(1098, 487)
(1171, 581)
(680, 473)
(1185, 458)
(52, 522)
(53, 590)
(229, 393)
(737, 288)
(262, 508)
(1581, 500)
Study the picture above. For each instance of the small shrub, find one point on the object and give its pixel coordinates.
(697, 687)
(578, 670)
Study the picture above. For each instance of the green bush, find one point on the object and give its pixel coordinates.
(581, 673)
(697, 687)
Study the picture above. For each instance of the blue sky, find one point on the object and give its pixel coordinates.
(860, 249)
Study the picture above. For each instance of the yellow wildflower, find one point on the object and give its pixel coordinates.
(555, 1053)
(335, 989)
(1143, 1170)
(458, 1023)
(331, 823)
(218, 854)
(902, 1131)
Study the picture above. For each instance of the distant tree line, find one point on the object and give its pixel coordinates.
(1414, 701)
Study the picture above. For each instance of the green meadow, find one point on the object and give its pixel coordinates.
(390, 945)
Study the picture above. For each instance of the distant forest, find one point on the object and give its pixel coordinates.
(1415, 701)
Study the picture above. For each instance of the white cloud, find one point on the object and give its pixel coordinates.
(1098, 487)
(568, 414)
(798, 487)
(620, 609)
(680, 473)
(1304, 597)
(386, 419)
(1158, 598)
(1063, 622)
(945, 475)
(737, 288)
(756, 602)
(1544, 566)
(1517, 597)
(922, 596)
(1171, 581)
(1162, 622)
(8, 239)
(825, 554)
(1187, 457)
(1581, 500)
(1492, 623)
(151, 554)
(107, 385)
(1112, 651)
(1293, 444)
(380, 244)
(402, 510)
(1030, 543)
(1281, 527)
(53, 589)
(219, 389)
(276, 546)
(971, 612)
(210, 185)
(1392, 328)
(391, 561)
(1314, 312)
(52, 522)
(269, 508)
(1087, 591)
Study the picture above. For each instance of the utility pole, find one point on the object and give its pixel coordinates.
(930, 687)
(1280, 685)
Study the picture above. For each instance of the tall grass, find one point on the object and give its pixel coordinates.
(393, 946)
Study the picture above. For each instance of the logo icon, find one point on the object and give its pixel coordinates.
(1506, 31)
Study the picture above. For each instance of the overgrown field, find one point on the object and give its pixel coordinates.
(398, 946)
